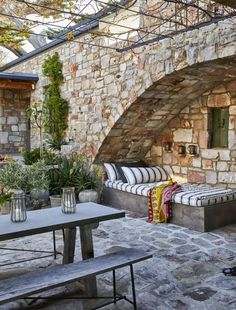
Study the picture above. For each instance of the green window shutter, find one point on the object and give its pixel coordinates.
(220, 125)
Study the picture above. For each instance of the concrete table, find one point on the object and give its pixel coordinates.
(87, 217)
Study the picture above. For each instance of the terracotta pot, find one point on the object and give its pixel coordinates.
(88, 195)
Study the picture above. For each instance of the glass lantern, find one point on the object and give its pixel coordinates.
(18, 208)
(68, 200)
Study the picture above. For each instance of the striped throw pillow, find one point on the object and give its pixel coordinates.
(111, 171)
(135, 175)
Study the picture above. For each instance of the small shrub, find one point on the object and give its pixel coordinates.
(31, 157)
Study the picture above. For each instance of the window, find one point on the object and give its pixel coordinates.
(218, 125)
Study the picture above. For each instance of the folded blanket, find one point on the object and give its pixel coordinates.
(160, 205)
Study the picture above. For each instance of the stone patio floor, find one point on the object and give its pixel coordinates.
(184, 273)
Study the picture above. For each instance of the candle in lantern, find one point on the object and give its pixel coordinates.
(17, 214)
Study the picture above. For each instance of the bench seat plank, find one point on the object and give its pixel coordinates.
(40, 280)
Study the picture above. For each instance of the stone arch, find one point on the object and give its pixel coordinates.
(133, 134)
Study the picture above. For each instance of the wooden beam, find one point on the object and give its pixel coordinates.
(13, 84)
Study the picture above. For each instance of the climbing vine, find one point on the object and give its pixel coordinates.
(57, 107)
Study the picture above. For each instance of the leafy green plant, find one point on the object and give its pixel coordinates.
(57, 107)
(26, 178)
(31, 157)
(13, 176)
(4, 197)
(56, 143)
(37, 176)
(72, 172)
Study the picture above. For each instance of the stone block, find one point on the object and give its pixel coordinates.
(176, 169)
(3, 120)
(14, 139)
(167, 158)
(215, 101)
(232, 138)
(232, 122)
(197, 162)
(183, 135)
(219, 89)
(210, 154)
(198, 124)
(227, 177)
(12, 120)
(232, 110)
(203, 139)
(156, 151)
(207, 164)
(231, 87)
(222, 166)
(14, 128)
(224, 154)
(196, 177)
(185, 161)
(184, 170)
(211, 177)
(4, 138)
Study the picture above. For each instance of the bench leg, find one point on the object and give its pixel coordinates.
(54, 244)
(114, 285)
(69, 245)
(86, 240)
(133, 287)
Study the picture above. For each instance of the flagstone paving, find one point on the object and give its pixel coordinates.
(184, 273)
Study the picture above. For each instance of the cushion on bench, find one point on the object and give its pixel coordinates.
(111, 171)
(139, 189)
(135, 175)
(199, 196)
(114, 170)
(191, 194)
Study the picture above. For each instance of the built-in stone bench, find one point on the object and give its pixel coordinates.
(202, 208)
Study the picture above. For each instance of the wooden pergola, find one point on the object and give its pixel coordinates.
(24, 81)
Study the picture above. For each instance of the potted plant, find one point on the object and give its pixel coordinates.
(89, 182)
(65, 173)
(5, 202)
(74, 171)
(33, 180)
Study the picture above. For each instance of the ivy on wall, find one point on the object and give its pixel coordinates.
(56, 106)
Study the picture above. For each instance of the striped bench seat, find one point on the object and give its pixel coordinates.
(142, 189)
(196, 195)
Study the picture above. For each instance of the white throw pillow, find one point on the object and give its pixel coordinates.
(111, 171)
(135, 175)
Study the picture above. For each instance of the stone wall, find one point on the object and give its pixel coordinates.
(120, 103)
(14, 131)
(210, 165)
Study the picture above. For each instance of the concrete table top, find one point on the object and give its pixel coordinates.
(45, 220)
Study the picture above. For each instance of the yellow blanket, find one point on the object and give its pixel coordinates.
(156, 213)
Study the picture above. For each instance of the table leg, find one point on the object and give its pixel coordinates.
(69, 245)
(86, 240)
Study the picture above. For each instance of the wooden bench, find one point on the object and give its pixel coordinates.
(38, 281)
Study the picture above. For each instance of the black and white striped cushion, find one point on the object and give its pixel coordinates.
(199, 195)
(136, 175)
(191, 194)
(111, 171)
(138, 189)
